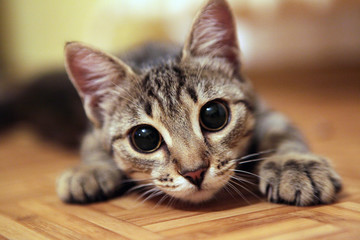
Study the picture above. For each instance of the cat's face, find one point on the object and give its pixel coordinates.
(178, 119)
(180, 125)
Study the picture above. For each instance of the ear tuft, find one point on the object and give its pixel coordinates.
(213, 34)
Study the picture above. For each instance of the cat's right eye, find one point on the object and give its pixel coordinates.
(214, 116)
(145, 138)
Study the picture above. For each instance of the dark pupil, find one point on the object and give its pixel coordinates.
(213, 115)
(146, 138)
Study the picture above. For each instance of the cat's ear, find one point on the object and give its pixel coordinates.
(213, 34)
(94, 74)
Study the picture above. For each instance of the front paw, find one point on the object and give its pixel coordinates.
(89, 183)
(298, 179)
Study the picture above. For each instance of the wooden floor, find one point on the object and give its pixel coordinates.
(325, 106)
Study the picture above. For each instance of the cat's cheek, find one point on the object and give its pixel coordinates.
(217, 179)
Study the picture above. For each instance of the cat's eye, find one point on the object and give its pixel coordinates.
(145, 138)
(214, 116)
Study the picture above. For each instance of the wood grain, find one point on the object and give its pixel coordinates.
(325, 105)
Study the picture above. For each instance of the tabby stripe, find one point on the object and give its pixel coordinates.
(146, 84)
(151, 93)
(114, 139)
(181, 80)
(148, 109)
(192, 94)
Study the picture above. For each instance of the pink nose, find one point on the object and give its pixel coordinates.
(195, 177)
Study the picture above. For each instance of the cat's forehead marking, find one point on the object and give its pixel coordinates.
(169, 94)
(172, 96)
(165, 85)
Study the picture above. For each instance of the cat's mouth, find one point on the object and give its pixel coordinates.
(188, 191)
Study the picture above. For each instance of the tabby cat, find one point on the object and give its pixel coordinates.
(180, 121)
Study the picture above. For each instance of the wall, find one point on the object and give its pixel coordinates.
(273, 34)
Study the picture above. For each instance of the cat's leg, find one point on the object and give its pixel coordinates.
(96, 178)
(292, 174)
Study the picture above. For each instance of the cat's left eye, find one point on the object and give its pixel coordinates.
(214, 116)
(145, 138)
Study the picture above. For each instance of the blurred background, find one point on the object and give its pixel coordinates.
(303, 49)
(274, 34)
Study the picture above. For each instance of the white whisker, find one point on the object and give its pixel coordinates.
(256, 154)
(229, 191)
(137, 180)
(149, 191)
(140, 186)
(248, 190)
(225, 187)
(238, 192)
(252, 160)
(249, 173)
(172, 201)
(242, 180)
(163, 198)
(155, 193)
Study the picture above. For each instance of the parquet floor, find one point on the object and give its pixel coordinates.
(327, 110)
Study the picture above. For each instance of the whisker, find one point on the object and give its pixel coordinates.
(140, 186)
(149, 191)
(246, 172)
(243, 175)
(227, 189)
(163, 198)
(242, 180)
(248, 190)
(229, 192)
(143, 185)
(152, 195)
(172, 201)
(256, 154)
(227, 186)
(253, 160)
(137, 180)
(238, 192)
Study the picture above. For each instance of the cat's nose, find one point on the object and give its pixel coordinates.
(195, 177)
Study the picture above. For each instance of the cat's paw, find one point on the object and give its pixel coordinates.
(89, 183)
(298, 179)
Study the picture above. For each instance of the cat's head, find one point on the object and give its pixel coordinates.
(179, 125)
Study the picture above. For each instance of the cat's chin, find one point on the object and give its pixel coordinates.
(200, 196)
(195, 197)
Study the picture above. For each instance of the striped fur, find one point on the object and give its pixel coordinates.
(166, 88)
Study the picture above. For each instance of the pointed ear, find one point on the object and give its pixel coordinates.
(213, 34)
(94, 74)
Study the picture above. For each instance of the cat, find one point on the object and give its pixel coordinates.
(182, 120)
(41, 105)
